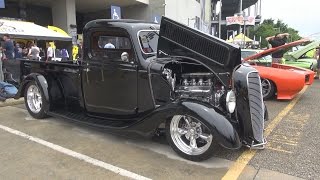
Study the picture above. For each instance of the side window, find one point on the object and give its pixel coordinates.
(113, 42)
(111, 46)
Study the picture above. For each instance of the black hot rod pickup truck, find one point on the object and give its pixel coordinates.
(136, 76)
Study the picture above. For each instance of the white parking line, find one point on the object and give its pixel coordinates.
(76, 155)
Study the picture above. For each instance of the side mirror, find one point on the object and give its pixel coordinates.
(125, 57)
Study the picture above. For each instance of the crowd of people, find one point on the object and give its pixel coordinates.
(11, 51)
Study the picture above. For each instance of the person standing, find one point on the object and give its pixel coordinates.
(318, 62)
(1, 72)
(276, 41)
(50, 52)
(34, 52)
(8, 47)
(17, 51)
(80, 49)
(9, 65)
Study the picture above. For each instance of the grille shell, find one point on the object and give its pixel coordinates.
(256, 105)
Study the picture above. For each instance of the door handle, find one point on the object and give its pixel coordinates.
(86, 70)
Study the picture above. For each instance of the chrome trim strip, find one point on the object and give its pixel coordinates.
(262, 106)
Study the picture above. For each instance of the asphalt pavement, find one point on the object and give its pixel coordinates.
(292, 150)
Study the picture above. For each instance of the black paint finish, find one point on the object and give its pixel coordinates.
(134, 97)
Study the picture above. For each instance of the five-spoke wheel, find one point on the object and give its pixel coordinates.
(190, 137)
(268, 88)
(35, 101)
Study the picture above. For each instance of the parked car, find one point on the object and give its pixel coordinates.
(282, 81)
(265, 60)
(299, 57)
(133, 79)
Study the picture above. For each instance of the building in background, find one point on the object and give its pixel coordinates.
(72, 15)
(194, 13)
(233, 11)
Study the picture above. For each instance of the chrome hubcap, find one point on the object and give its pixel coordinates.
(34, 99)
(190, 135)
(266, 87)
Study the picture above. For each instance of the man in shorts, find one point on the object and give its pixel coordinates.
(276, 41)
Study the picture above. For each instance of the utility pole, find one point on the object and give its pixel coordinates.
(260, 7)
(240, 12)
(244, 31)
(220, 19)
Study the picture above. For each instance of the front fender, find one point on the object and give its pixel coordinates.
(223, 131)
(41, 82)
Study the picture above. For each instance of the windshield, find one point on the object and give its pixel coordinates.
(148, 41)
(245, 54)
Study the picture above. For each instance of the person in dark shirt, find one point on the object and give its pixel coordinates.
(11, 67)
(8, 47)
(276, 41)
(17, 51)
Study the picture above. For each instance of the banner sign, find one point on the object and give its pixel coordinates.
(240, 20)
(115, 12)
(2, 4)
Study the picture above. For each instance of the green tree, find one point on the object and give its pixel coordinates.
(270, 27)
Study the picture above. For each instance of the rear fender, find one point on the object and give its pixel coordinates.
(223, 131)
(40, 81)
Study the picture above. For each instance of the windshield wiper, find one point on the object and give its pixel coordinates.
(155, 30)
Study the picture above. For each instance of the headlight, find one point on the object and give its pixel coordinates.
(231, 101)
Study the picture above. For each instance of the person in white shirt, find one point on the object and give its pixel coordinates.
(34, 52)
(109, 45)
(49, 52)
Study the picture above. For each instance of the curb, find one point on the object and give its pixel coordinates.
(11, 102)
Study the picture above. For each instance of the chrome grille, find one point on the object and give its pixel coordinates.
(256, 105)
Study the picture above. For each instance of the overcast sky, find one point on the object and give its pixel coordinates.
(301, 15)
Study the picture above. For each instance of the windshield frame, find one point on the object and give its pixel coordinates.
(140, 46)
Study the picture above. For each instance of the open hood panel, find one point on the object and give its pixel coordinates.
(300, 52)
(179, 40)
(267, 52)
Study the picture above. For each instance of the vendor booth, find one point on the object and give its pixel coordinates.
(29, 30)
(24, 33)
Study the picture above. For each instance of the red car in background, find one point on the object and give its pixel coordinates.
(282, 81)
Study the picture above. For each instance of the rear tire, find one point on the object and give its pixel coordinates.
(190, 137)
(268, 88)
(35, 101)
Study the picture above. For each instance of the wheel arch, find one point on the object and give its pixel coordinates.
(40, 81)
(223, 131)
(273, 82)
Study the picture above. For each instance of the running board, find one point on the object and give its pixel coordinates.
(84, 119)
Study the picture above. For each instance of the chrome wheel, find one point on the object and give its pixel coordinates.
(190, 135)
(266, 87)
(34, 99)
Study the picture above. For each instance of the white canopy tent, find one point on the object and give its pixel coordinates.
(28, 30)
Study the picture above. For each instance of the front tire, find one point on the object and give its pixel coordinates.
(190, 137)
(35, 101)
(268, 88)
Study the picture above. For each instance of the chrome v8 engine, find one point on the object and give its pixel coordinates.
(200, 86)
